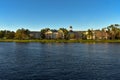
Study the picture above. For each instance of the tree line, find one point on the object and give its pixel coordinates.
(113, 31)
(22, 34)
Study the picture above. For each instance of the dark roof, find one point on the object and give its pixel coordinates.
(34, 31)
(54, 30)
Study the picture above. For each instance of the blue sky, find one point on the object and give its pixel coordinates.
(38, 14)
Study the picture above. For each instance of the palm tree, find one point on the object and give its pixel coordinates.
(113, 30)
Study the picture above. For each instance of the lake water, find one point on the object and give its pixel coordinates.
(59, 61)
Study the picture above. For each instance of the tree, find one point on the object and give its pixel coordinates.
(9, 34)
(71, 29)
(114, 31)
(65, 31)
(6, 34)
(22, 34)
(2, 33)
(90, 34)
(43, 31)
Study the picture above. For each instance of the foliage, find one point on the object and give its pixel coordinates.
(90, 34)
(2, 33)
(65, 31)
(10, 35)
(5, 34)
(111, 32)
(43, 32)
(114, 31)
(22, 34)
(70, 29)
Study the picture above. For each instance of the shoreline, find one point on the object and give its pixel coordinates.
(64, 41)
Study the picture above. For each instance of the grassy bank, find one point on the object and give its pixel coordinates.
(64, 41)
